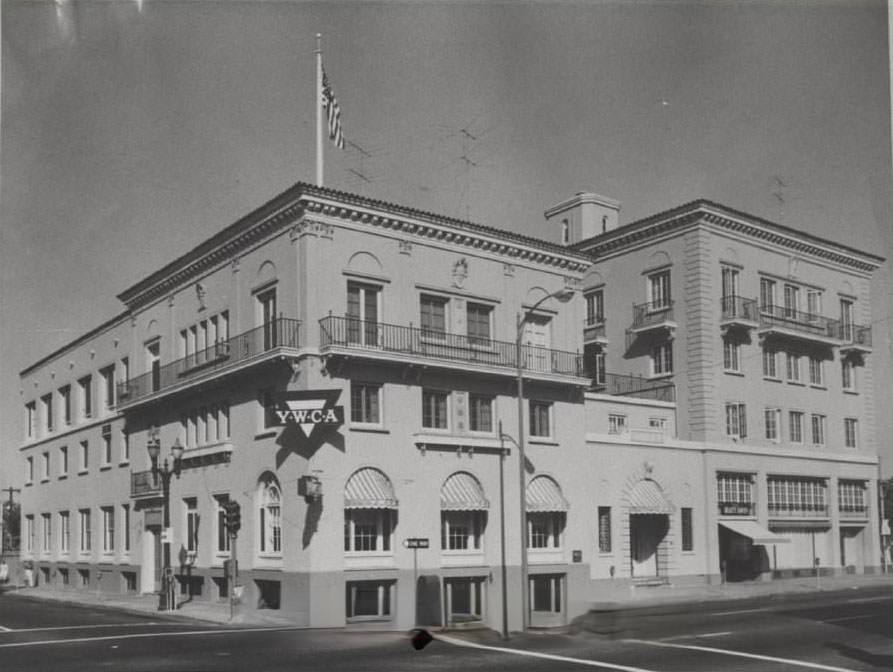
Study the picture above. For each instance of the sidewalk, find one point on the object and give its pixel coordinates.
(618, 600)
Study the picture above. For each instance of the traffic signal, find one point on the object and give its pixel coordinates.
(232, 516)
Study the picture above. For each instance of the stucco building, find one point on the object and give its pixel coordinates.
(346, 370)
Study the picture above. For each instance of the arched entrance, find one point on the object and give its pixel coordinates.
(649, 525)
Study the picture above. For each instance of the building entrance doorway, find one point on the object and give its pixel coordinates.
(646, 533)
(465, 599)
(851, 549)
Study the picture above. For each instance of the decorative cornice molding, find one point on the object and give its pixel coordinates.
(704, 212)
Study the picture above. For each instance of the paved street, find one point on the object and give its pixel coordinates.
(829, 631)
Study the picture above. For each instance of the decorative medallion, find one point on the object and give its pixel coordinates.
(460, 273)
(200, 292)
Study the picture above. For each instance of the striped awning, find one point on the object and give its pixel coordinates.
(753, 531)
(369, 489)
(647, 497)
(544, 495)
(462, 492)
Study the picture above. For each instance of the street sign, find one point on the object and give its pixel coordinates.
(416, 542)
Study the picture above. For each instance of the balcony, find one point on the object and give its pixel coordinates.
(793, 324)
(143, 485)
(738, 312)
(350, 337)
(635, 386)
(653, 316)
(856, 339)
(250, 347)
(594, 333)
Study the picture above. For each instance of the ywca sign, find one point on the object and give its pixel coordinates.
(314, 411)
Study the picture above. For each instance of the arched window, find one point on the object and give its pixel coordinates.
(370, 509)
(270, 516)
(463, 509)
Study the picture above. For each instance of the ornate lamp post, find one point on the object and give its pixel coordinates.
(167, 599)
(563, 295)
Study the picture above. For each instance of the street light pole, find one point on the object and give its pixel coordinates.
(563, 295)
(167, 598)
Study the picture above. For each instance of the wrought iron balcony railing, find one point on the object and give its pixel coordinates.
(737, 309)
(654, 314)
(144, 484)
(635, 386)
(280, 333)
(355, 334)
(807, 324)
(855, 335)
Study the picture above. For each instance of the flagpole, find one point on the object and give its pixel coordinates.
(318, 99)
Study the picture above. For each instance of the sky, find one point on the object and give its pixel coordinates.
(131, 130)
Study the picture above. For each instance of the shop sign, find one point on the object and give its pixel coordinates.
(735, 509)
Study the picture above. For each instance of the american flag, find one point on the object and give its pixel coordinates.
(333, 113)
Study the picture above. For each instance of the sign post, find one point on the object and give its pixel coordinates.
(415, 543)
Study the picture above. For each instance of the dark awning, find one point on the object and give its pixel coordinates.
(647, 497)
(754, 531)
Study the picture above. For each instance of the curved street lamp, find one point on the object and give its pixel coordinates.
(167, 598)
(563, 295)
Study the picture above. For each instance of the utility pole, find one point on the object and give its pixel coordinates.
(233, 520)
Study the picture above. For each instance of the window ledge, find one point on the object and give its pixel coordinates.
(266, 434)
(544, 441)
(853, 392)
(372, 429)
(124, 463)
(45, 479)
(105, 467)
(28, 484)
(772, 379)
(81, 472)
(731, 372)
(816, 386)
(796, 382)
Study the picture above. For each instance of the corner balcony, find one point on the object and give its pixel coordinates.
(143, 485)
(738, 313)
(651, 317)
(274, 339)
(856, 339)
(352, 338)
(639, 387)
(790, 324)
(594, 333)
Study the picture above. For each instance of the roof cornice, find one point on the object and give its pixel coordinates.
(303, 198)
(703, 211)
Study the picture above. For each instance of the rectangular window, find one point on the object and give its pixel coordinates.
(480, 413)
(729, 286)
(125, 527)
(659, 290)
(773, 423)
(848, 375)
(108, 529)
(106, 445)
(616, 423)
(47, 402)
(367, 530)
(688, 540)
(434, 409)
(433, 315)
(797, 496)
(192, 520)
(65, 404)
(45, 467)
(795, 425)
(31, 419)
(108, 387)
(731, 355)
(125, 446)
(64, 532)
(791, 301)
(604, 529)
(365, 407)
(46, 536)
(544, 530)
(736, 420)
(222, 534)
(846, 320)
(369, 600)
(362, 313)
(850, 432)
(460, 530)
(816, 371)
(85, 387)
(813, 304)
(86, 543)
(85, 457)
(818, 429)
(767, 294)
(595, 307)
(266, 316)
(600, 373)
(153, 363)
(770, 363)
(852, 498)
(792, 367)
(63, 461)
(662, 359)
(540, 418)
(29, 469)
(478, 319)
(734, 493)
